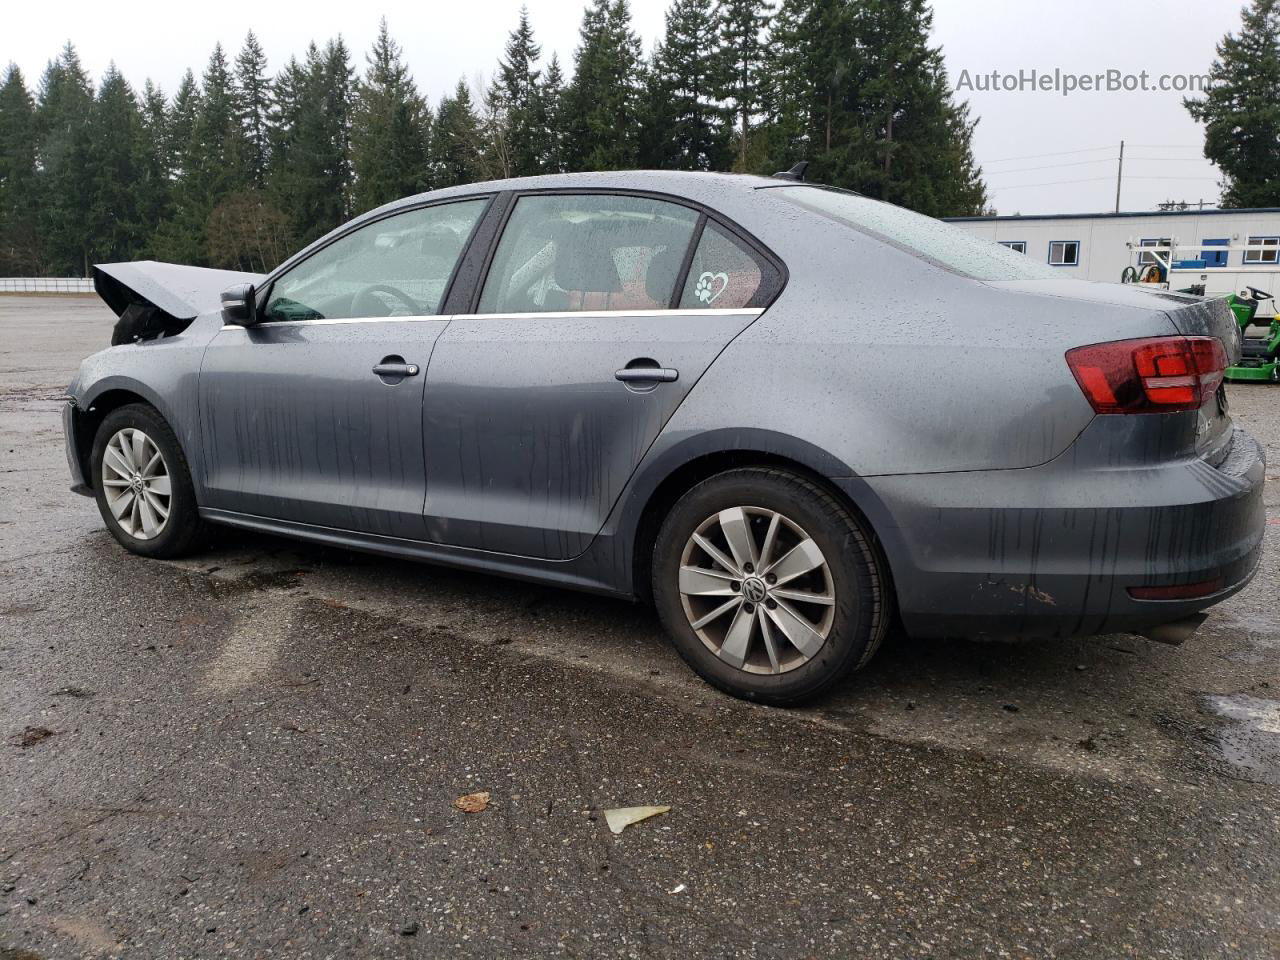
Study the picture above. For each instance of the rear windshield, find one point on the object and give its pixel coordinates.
(941, 243)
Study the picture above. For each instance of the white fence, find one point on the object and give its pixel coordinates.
(45, 285)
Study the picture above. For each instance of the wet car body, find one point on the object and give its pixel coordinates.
(933, 399)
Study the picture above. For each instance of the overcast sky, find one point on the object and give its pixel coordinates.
(1029, 143)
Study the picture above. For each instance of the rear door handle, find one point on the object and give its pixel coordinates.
(647, 375)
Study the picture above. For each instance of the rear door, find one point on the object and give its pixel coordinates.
(314, 415)
(598, 313)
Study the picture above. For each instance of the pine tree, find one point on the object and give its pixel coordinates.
(209, 164)
(19, 253)
(1241, 111)
(154, 186)
(252, 89)
(685, 128)
(858, 90)
(743, 55)
(112, 223)
(496, 161)
(180, 124)
(337, 79)
(602, 104)
(390, 129)
(62, 117)
(551, 95)
(518, 95)
(920, 139)
(789, 95)
(456, 140)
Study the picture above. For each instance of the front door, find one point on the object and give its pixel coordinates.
(588, 336)
(314, 415)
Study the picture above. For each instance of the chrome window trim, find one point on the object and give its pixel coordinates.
(549, 314)
(328, 321)
(662, 312)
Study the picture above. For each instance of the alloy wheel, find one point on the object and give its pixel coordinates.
(757, 590)
(136, 484)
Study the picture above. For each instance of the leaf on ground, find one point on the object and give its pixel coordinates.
(620, 818)
(472, 802)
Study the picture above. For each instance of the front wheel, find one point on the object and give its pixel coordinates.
(770, 588)
(143, 485)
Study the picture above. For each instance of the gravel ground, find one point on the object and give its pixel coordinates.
(256, 752)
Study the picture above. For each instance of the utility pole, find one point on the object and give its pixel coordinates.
(1119, 175)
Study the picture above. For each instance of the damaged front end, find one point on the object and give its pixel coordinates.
(154, 299)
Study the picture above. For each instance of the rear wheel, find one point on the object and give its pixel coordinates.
(143, 485)
(769, 587)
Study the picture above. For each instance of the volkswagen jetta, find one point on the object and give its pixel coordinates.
(790, 416)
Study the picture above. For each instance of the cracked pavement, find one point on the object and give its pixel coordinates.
(255, 752)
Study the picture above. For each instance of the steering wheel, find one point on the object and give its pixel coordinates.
(1256, 294)
(365, 304)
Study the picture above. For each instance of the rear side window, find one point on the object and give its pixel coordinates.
(942, 243)
(726, 274)
(588, 252)
(398, 266)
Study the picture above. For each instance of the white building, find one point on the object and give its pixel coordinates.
(1225, 250)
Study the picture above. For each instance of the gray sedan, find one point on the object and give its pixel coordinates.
(791, 417)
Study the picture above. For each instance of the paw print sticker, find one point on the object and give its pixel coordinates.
(706, 290)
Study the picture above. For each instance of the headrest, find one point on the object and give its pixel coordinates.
(660, 278)
(584, 260)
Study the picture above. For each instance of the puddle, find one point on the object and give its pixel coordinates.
(1250, 742)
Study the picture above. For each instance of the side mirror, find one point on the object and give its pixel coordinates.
(238, 305)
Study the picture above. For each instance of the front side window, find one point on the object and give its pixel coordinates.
(588, 252)
(725, 274)
(1270, 245)
(1064, 253)
(395, 267)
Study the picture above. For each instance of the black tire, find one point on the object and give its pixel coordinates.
(183, 530)
(863, 608)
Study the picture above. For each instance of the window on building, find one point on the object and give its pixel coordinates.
(1145, 258)
(1270, 245)
(1018, 246)
(1211, 257)
(1064, 253)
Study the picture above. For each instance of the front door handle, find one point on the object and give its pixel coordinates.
(647, 375)
(395, 367)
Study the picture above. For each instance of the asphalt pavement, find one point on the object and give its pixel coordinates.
(257, 751)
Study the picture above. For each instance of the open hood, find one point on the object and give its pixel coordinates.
(182, 293)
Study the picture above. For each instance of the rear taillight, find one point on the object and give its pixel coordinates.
(1152, 375)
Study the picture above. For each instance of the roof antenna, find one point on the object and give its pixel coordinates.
(796, 173)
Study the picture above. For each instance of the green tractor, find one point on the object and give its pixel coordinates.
(1260, 356)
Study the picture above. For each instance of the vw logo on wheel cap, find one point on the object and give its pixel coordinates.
(753, 589)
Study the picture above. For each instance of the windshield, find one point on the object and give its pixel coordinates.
(939, 242)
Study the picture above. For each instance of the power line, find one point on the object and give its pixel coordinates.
(1052, 166)
(1056, 153)
(1048, 183)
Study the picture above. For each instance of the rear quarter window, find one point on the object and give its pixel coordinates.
(939, 243)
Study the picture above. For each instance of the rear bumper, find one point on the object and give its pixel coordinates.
(1053, 550)
(71, 439)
